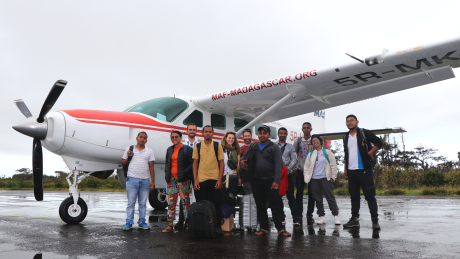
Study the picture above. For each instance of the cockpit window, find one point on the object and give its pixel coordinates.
(164, 108)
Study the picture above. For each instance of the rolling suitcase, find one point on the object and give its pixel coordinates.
(247, 212)
(202, 220)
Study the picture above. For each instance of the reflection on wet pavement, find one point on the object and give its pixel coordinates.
(403, 219)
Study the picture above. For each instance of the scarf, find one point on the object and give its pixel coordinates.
(233, 155)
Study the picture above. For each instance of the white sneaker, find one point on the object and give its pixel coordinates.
(337, 220)
(321, 220)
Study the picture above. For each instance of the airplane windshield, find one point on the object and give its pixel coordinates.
(164, 108)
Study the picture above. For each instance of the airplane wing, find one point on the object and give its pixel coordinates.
(339, 135)
(319, 89)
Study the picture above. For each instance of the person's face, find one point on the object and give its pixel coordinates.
(175, 138)
(230, 139)
(141, 139)
(263, 136)
(316, 143)
(306, 129)
(282, 135)
(352, 123)
(191, 131)
(208, 133)
(247, 137)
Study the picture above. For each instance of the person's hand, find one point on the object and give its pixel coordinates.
(294, 173)
(243, 164)
(275, 186)
(152, 185)
(345, 174)
(219, 184)
(197, 185)
(332, 181)
(370, 155)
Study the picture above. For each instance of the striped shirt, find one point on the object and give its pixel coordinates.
(139, 165)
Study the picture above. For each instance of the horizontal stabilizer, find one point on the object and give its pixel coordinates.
(339, 135)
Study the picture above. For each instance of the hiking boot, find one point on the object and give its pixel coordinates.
(321, 220)
(128, 226)
(310, 220)
(354, 222)
(375, 224)
(179, 225)
(143, 225)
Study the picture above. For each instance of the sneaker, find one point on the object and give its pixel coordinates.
(296, 222)
(143, 225)
(128, 226)
(337, 220)
(354, 222)
(321, 220)
(179, 225)
(375, 224)
(310, 220)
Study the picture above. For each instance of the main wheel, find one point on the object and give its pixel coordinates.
(158, 199)
(71, 213)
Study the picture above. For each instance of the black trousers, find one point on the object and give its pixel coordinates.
(208, 192)
(263, 192)
(362, 179)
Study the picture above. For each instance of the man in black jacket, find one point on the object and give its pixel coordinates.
(359, 165)
(265, 183)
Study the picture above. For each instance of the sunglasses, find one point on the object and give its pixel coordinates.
(174, 137)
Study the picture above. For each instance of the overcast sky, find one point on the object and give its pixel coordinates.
(118, 53)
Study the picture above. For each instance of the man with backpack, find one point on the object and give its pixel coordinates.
(140, 160)
(289, 159)
(303, 147)
(267, 162)
(359, 165)
(208, 171)
(190, 141)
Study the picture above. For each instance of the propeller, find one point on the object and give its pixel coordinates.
(37, 129)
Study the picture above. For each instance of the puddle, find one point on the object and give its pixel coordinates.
(12, 251)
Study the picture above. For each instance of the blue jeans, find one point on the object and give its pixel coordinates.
(137, 189)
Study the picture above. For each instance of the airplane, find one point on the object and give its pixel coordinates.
(91, 142)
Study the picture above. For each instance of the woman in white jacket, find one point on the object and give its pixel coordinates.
(320, 172)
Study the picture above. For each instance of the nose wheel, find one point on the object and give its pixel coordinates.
(72, 213)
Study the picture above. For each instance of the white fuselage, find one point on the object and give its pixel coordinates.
(92, 140)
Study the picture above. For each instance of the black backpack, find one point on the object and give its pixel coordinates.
(125, 167)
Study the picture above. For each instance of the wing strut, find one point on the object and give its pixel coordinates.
(293, 89)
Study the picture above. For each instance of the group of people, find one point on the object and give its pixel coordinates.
(199, 167)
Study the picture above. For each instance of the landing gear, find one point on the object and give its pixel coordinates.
(73, 210)
(157, 199)
(71, 213)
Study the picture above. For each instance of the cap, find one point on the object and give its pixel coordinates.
(264, 127)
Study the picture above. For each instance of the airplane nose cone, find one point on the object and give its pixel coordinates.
(30, 127)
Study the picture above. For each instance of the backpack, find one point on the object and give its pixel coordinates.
(216, 151)
(325, 155)
(125, 167)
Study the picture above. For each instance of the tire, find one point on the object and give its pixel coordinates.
(155, 202)
(79, 215)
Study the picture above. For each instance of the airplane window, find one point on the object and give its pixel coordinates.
(239, 124)
(195, 117)
(164, 108)
(218, 121)
(274, 132)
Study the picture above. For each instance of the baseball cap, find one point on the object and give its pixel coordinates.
(264, 127)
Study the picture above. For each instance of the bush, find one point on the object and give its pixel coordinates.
(395, 192)
(452, 178)
(434, 178)
(435, 192)
(394, 176)
(341, 192)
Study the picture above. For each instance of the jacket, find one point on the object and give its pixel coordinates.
(268, 162)
(331, 168)
(184, 168)
(370, 138)
(289, 156)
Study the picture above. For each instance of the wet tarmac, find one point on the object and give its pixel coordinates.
(412, 227)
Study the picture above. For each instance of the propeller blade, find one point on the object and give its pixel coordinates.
(53, 95)
(37, 165)
(23, 108)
